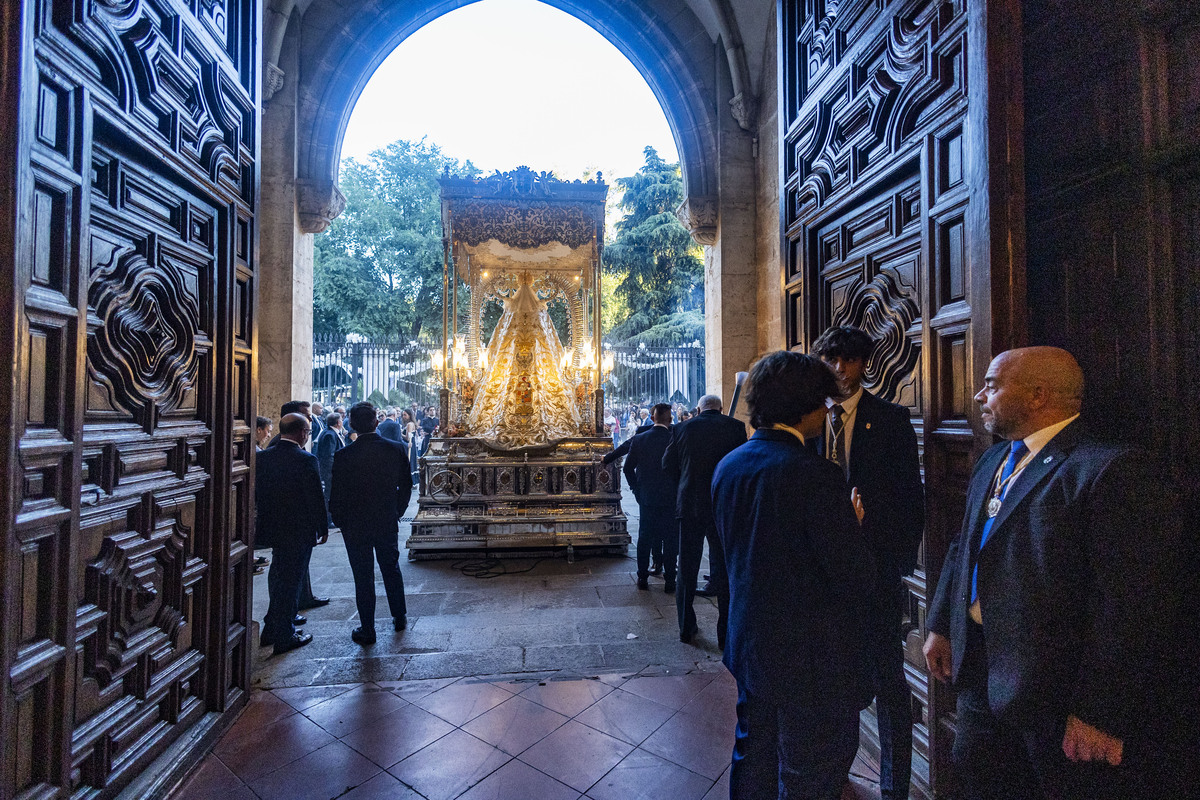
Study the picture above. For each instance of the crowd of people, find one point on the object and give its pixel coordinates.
(1052, 620)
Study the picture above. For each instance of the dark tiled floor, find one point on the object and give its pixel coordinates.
(536, 685)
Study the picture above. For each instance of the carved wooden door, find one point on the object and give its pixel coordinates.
(130, 171)
(887, 225)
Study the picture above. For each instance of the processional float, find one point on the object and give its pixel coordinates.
(517, 465)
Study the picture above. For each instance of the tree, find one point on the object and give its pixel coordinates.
(653, 258)
(378, 269)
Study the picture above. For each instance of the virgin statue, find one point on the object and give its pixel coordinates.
(523, 398)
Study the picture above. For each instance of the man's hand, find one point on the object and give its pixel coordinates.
(856, 501)
(1083, 742)
(938, 656)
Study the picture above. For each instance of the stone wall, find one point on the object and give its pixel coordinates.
(767, 234)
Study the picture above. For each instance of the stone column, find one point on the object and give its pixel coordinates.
(285, 284)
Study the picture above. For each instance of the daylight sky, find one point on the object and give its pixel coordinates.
(511, 82)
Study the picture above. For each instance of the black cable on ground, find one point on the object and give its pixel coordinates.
(485, 568)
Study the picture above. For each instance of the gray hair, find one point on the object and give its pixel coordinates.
(709, 402)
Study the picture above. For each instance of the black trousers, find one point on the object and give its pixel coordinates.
(289, 564)
(363, 550)
(791, 750)
(1005, 759)
(693, 532)
(893, 707)
(657, 536)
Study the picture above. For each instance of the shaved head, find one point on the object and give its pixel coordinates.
(1028, 389)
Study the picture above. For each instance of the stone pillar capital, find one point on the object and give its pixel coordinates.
(745, 110)
(699, 216)
(272, 81)
(318, 204)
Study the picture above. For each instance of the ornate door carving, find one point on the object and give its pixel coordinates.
(125, 563)
(885, 211)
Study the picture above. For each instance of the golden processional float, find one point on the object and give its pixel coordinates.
(517, 465)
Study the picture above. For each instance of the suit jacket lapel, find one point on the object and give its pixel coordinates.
(1048, 459)
(980, 490)
(864, 416)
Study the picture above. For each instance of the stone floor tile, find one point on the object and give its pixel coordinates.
(412, 689)
(290, 738)
(461, 702)
(302, 697)
(350, 711)
(382, 787)
(576, 755)
(213, 779)
(574, 597)
(328, 772)
(519, 781)
(397, 735)
(568, 697)
(261, 710)
(716, 701)
(700, 744)
(573, 657)
(458, 664)
(673, 691)
(449, 766)
(645, 776)
(515, 725)
(626, 716)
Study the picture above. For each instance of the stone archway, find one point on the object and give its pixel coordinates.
(315, 70)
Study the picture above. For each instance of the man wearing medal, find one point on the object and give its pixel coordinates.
(1055, 599)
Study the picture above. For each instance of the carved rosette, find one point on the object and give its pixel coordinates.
(699, 216)
(144, 347)
(885, 313)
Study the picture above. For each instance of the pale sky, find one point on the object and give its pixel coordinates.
(506, 83)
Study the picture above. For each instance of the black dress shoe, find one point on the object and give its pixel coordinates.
(643, 583)
(316, 602)
(687, 634)
(298, 640)
(669, 588)
(706, 591)
(363, 635)
(299, 619)
(656, 568)
(400, 622)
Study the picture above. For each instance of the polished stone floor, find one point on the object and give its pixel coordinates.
(547, 679)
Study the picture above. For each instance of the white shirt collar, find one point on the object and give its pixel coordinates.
(849, 405)
(1039, 439)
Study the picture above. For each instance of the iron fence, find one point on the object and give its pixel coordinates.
(347, 369)
(397, 372)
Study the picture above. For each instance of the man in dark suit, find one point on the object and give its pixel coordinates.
(1057, 600)
(317, 417)
(874, 443)
(800, 579)
(390, 428)
(656, 493)
(331, 440)
(371, 489)
(291, 520)
(696, 447)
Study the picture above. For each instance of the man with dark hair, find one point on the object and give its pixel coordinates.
(371, 489)
(262, 432)
(800, 575)
(331, 440)
(874, 443)
(291, 407)
(696, 447)
(656, 492)
(1058, 603)
(291, 520)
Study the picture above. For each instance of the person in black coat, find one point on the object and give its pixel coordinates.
(875, 444)
(656, 492)
(291, 520)
(371, 489)
(330, 441)
(800, 579)
(1058, 601)
(391, 429)
(696, 447)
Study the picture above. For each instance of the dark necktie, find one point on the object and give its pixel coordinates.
(1015, 454)
(838, 426)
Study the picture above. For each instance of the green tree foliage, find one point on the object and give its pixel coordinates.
(378, 269)
(656, 265)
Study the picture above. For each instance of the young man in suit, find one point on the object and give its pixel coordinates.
(330, 441)
(656, 493)
(696, 447)
(800, 579)
(1057, 603)
(371, 489)
(291, 520)
(874, 443)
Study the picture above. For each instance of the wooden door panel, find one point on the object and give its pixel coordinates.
(128, 567)
(885, 228)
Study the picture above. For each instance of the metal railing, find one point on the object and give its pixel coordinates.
(647, 374)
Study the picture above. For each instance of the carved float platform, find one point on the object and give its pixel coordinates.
(512, 503)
